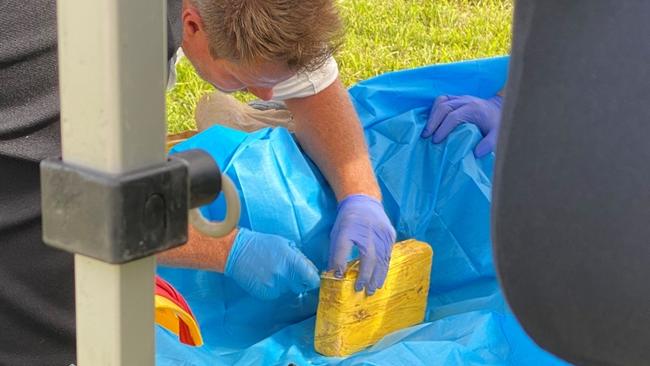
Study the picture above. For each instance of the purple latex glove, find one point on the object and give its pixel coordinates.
(449, 111)
(361, 221)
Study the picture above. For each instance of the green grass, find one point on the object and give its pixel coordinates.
(382, 36)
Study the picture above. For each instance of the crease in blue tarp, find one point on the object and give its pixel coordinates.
(436, 193)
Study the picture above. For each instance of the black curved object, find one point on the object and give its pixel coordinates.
(204, 176)
(571, 212)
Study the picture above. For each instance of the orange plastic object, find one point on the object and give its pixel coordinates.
(173, 314)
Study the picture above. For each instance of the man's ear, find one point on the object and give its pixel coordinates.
(192, 22)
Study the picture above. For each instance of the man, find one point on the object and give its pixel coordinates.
(294, 66)
(267, 47)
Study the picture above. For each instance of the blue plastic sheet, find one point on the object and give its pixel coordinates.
(436, 193)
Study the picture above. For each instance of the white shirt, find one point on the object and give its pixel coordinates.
(304, 84)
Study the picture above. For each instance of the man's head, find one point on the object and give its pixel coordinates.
(256, 44)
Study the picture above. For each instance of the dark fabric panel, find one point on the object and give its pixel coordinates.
(36, 282)
(29, 95)
(571, 212)
(174, 26)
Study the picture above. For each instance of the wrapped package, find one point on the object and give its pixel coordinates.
(348, 321)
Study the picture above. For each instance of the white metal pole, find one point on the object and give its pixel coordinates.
(112, 76)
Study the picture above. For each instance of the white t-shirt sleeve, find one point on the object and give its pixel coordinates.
(171, 68)
(304, 84)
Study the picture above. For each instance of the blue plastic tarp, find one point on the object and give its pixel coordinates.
(437, 193)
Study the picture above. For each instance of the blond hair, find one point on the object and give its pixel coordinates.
(302, 34)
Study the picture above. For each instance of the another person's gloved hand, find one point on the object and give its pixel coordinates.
(362, 221)
(449, 111)
(267, 266)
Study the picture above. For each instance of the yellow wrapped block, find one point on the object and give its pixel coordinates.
(349, 321)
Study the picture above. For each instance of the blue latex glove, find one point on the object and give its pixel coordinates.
(267, 266)
(449, 111)
(361, 221)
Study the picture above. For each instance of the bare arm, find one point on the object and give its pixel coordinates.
(200, 252)
(328, 128)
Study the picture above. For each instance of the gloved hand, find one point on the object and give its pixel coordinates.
(449, 111)
(361, 221)
(267, 266)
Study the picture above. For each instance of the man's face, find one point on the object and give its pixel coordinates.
(228, 76)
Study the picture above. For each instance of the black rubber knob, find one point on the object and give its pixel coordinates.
(204, 176)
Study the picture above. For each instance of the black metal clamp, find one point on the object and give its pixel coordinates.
(120, 218)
